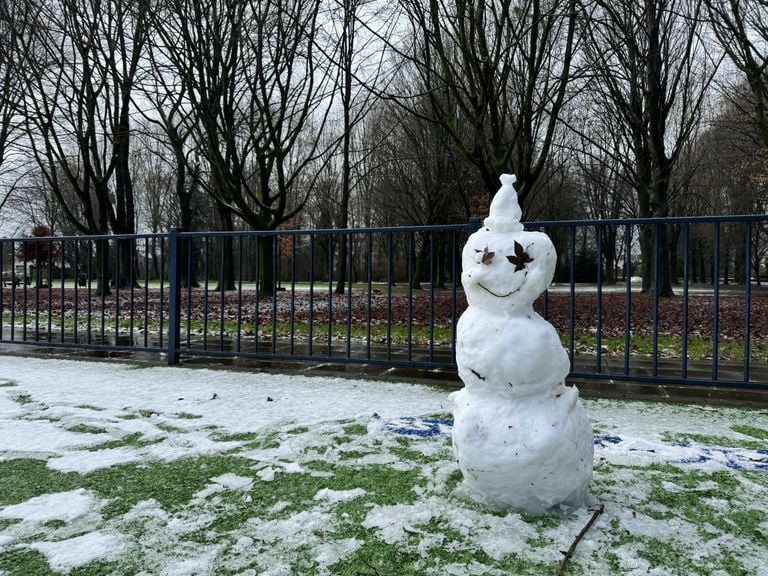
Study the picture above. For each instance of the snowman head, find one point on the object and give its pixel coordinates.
(504, 268)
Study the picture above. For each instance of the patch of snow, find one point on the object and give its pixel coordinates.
(333, 496)
(66, 555)
(202, 564)
(393, 522)
(266, 474)
(65, 506)
(329, 553)
(85, 461)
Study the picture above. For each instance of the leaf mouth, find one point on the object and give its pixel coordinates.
(491, 292)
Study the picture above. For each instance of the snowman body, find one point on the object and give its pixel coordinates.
(521, 436)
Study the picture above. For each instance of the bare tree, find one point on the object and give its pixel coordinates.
(651, 75)
(350, 20)
(258, 100)
(80, 64)
(741, 27)
(14, 20)
(496, 75)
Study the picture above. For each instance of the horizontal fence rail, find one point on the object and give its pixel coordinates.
(668, 301)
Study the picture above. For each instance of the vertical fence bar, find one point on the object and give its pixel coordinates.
(390, 280)
(275, 284)
(292, 320)
(257, 307)
(174, 296)
(37, 292)
(61, 300)
(311, 311)
(189, 250)
(118, 280)
(76, 293)
(13, 289)
(331, 248)
(716, 311)
(89, 294)
(684, 348)
(25, 300)
(350, 278)
(599, 307)
(628, 298)
(369, 308)
(161, 299)
(747, 297)
(206, 286)
(12, 278)
(223, 285)
(431, 295)
(409, 317)
(103, 287)
(572, 302)
(146, 288)
(133, 279)
(655, 284)
(455, 279)
(239, 328)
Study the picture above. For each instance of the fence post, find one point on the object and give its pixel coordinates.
(474, 224)
(174, 297)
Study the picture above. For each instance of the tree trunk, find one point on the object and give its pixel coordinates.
(267, 277)
(102, 267)
(227, 264)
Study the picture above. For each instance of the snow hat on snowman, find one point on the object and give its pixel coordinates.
(505, 268)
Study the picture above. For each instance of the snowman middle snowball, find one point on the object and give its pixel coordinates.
(521, 436)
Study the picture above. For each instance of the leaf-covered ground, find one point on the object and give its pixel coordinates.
(401, 307)
(122, 470)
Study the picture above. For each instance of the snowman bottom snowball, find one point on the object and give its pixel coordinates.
(530, 455)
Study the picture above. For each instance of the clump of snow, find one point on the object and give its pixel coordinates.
(85, 461)
(66, 555)
(333, 496)
(393, 522)
(266, 474)
(225, 482)
(65, 506)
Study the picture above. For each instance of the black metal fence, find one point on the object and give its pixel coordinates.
(391, 296)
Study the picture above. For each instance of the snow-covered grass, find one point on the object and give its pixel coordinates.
(124, 470)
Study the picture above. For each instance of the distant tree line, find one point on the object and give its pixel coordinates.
(124, 116)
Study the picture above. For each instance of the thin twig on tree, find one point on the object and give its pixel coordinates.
(569, 553)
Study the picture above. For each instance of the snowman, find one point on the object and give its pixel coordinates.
(521, 436)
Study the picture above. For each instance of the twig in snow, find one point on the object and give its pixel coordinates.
(569, 553)
(369, 565)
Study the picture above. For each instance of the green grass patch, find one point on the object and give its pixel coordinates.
(85, 429)
(169, 428)
(356, 430)
(22, 399)
(759, 433)
(668, 346)
(130, 416)
(187, 416)
(725, 441)
(8, 384)
(135, 440)
(24, 563)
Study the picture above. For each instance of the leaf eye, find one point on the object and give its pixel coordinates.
(486, 258)
(521, 257)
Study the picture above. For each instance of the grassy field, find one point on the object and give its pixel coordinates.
(123, 470)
